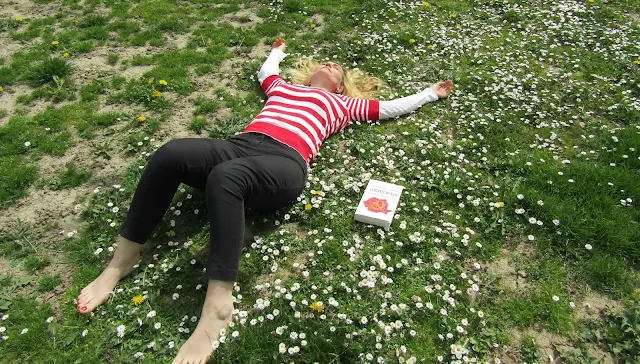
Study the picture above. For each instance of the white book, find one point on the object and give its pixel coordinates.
(378, 203)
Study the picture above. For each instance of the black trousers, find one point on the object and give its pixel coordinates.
(249, 169)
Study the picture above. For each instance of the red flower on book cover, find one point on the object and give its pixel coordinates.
(375, 204)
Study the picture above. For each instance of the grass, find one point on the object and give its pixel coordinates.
(69, 177)
(532, 162)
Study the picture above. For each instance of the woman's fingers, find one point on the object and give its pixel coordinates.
(445, 88)
(278, 42)
(447, 85)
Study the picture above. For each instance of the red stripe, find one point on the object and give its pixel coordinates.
(311, 111)
(337, 104)
(267, 82)
(325, 95)
(362, 110)
(374, 110)
(293, 124)
(310, 100)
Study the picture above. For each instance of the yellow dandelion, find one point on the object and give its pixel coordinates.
(637, 61)
(1, 89)
(171, 233)
(453, 15)
(162, 82)
(137, 299)
(592, 1)
(157, 93)
(499, 204)
(307, 207)
(55, 42)
(19, 18)
(66, 54)
(313, 25)
(430, 46)
(317, 306)
(426, 3)
(142, 118)
(149, 81)
(411, 41)
(458, 26)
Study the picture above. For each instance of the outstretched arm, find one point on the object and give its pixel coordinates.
(272, 65)
(372, 110)
(401, 106)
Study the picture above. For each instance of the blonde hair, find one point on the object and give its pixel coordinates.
(355, 82)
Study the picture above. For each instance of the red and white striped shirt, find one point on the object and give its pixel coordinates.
(303, 117)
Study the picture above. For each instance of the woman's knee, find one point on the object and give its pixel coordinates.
(227, 178)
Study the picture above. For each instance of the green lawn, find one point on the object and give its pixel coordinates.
(516, 240)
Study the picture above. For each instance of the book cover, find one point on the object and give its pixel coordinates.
(378, 203)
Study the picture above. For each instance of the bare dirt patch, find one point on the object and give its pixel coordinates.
(43, 206)
(208, 83)
(242, 18)
(94, 64)
(342, 147)
(295, 230)
(66, 272)
(101, 10)
(177, 41)
(593, 305)
(551, 346)
(260, 51)
(86, 68)
(135, 72)
(317, 20)
(9, 47)
(176, 125)
(8, 99)
(547, 342)
(28, 10)
(6, 267)
(50, 165)
(506, 269)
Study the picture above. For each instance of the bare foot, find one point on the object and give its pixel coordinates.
(215, 316)
(127, 254)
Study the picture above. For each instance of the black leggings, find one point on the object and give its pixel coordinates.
(249, 169)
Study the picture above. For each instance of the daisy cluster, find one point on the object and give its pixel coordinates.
(524, 66)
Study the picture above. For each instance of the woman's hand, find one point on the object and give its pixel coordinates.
(443, 89)
(280, 44)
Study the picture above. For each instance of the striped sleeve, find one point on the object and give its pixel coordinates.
(270, 83)
(362, 109)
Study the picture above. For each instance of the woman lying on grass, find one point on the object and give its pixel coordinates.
(265, 168)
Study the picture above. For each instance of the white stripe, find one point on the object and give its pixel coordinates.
(274, 84)
(349, 104)
(362, 108)
(300, 108)
(301, 105)
(316, 95)
(336, 103)
(294, 119)
(292, 129)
